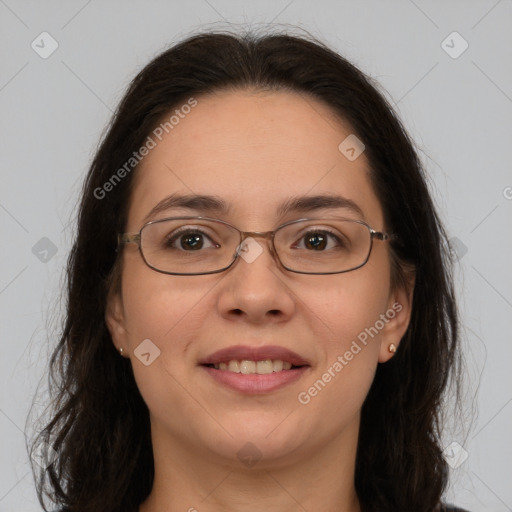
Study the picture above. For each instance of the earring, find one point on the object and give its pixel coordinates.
(121, 351)
(392, 348)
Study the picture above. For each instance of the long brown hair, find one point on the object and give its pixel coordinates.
(99, 427)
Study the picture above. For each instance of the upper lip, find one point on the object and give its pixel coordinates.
(244, 352)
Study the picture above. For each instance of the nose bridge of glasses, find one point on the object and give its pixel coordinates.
(267, 235)
(259, 234)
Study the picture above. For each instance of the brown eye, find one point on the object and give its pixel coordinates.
(320, 240)
(315, 241)
(188, 240)
(192, 241)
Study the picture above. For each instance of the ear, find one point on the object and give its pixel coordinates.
(115, 320)
(398, 315)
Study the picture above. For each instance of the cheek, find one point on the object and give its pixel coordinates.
(157, 306)
(347, 321)
(170, 311)
(350, 304)
(167, 311)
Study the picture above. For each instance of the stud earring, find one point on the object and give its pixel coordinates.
(392, 348)
(121, 351)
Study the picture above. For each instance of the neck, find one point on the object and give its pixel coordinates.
(190, 480)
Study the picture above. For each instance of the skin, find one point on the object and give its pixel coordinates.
(254, 150)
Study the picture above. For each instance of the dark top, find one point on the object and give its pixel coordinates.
(446, 508)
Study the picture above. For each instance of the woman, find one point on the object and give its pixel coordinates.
(260, 307)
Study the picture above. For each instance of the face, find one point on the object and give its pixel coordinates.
(255, 151)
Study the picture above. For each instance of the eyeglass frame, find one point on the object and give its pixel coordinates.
(126, 238)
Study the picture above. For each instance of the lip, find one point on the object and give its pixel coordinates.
(244, 352)
(254, 383)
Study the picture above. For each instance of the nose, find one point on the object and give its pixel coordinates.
(255, 289)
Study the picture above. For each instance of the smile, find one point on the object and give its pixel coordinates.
(248, 367)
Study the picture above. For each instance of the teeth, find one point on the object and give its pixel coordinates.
(233, 366)
(263, 367)
(250, 367)
(247, 367)
(277, 365)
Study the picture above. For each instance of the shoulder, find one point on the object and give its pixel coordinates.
(451, 508)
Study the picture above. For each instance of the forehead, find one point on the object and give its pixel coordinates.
(255, 150)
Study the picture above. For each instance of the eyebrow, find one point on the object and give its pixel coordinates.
(211, 204)
(215, 205)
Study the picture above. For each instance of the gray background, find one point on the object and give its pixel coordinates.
(459, 111)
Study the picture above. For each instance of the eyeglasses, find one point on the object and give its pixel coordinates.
(189, 246)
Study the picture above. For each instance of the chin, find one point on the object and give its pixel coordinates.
(267, 439)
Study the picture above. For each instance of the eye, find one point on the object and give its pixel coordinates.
(319, 240)
(188, 239)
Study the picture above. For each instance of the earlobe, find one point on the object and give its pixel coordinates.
(399, 316)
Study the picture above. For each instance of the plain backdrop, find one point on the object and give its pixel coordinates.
(446, 65)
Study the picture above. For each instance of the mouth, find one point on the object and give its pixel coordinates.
(255, 370)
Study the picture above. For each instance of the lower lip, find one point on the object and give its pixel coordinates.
(254, 383)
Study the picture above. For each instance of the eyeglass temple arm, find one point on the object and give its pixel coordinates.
(126, 238)
(379, 235)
